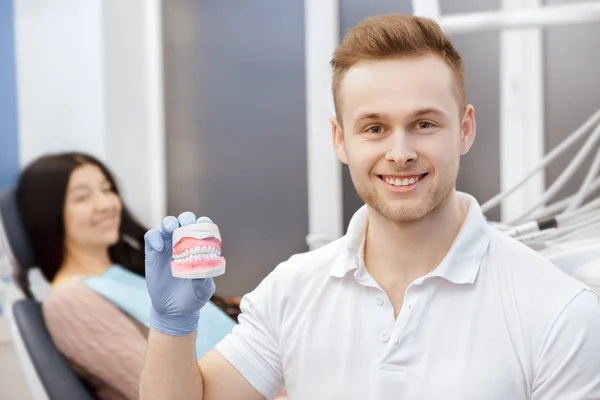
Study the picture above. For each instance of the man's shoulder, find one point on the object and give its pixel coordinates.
(527, 268)
(539, 289)
(289, 284)
(314, 263)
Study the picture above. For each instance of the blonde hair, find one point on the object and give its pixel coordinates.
(395, 36)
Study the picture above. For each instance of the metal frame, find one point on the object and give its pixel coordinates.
(521, 112)
(325, 201)
(526, 16)
(156, 102)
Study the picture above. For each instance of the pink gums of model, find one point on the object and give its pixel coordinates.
(197, 251)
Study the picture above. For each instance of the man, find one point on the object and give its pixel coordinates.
(421, 299)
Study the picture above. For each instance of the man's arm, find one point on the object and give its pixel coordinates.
(569, 365)
(171, 372)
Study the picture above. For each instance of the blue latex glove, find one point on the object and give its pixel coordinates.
(176, 302)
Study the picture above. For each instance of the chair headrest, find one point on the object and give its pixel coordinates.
(14, 230)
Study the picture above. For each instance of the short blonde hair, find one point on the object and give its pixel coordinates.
(395, 36)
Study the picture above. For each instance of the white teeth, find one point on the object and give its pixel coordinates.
(187, 258)
(402, 182)
(197, 253)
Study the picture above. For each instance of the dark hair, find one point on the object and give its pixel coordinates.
(41, 193)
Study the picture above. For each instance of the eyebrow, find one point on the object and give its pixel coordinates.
(415, 114)
(367, 115)
(428, 110)
(77, 188)
(85, 186)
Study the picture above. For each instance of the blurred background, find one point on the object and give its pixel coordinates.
(208, 106)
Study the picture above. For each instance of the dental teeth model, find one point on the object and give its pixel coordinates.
(197, 251)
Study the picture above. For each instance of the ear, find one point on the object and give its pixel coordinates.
(467, 130)
(338, 140)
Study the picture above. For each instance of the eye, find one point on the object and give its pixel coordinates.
(425, 125)
(376, 129)
(81, 198)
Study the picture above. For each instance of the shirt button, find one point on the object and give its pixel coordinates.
(380, 301)
(385, 337)
(397, 340)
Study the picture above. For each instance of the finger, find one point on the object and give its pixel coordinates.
(153, 240)
(204, 220)
(186, 218)
(169, 224)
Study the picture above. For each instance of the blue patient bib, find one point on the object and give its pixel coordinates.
(128, 291)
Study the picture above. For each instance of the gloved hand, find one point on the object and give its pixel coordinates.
(176, 302)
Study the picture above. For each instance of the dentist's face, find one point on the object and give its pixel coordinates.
(401, 132)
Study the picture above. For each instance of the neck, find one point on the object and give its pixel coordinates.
(399, 253)
(87, 261)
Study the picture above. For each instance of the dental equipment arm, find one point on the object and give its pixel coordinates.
(587, 182)
(170, 369)
(551, 156)
(560, 221)
(565, 175)
(561, 205)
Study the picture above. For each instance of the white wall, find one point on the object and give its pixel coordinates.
(89, 78)
(58, 53)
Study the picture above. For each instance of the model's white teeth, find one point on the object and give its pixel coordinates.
(196, 257)
(403, 182)
(198, 253)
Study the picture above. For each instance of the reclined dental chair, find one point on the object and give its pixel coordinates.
(46, 370)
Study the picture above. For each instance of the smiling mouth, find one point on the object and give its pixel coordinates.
(404, 181)
(105, 221)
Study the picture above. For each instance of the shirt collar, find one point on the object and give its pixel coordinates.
(461, 263)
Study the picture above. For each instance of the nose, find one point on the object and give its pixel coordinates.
(104, 202)
(400, 151)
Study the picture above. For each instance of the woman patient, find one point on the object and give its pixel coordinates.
(88, 245)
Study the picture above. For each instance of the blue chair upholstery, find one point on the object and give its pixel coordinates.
(14, 229)
(57, 377)
(53, 371)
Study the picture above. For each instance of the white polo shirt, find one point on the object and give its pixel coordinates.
(493, 321)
